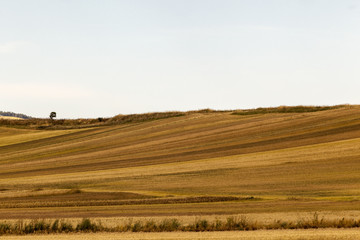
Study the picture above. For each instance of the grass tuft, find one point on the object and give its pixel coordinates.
(87, 226)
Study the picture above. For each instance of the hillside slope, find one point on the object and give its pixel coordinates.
(10, 118)
(199, 163)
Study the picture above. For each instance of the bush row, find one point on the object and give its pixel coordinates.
(171, 225)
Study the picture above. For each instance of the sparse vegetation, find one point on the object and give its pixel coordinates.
(136, 118)
(46, 124)
(170, 225)
(287, 109)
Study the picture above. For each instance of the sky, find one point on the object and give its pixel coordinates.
(100, 58)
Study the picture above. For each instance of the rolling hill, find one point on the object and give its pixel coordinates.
(194, 163)
(12, 115)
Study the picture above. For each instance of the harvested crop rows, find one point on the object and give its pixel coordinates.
(198, 163)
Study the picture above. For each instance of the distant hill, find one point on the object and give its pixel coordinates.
(16, 115)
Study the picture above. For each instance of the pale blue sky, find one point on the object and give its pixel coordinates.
(92, 58)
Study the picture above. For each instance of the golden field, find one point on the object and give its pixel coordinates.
(313, 234)
(10, 118)
(266, 166)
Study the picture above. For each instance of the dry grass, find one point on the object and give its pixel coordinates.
(313, 234)
(170, 225)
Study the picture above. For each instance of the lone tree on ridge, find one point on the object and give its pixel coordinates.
(52, 115)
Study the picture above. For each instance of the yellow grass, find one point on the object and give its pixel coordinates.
(14, 136)
(313, 234)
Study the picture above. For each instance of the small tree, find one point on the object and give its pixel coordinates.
(52, 115)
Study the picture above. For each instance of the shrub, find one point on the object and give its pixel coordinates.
(66, 227)
(169, 225)
(150, 226)
(5, 228)
(201, 225)
(55, 226)
(218, 225)
(86, 226)
(35, 226)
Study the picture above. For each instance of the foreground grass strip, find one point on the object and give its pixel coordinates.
(170, 225)
(308, 234)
